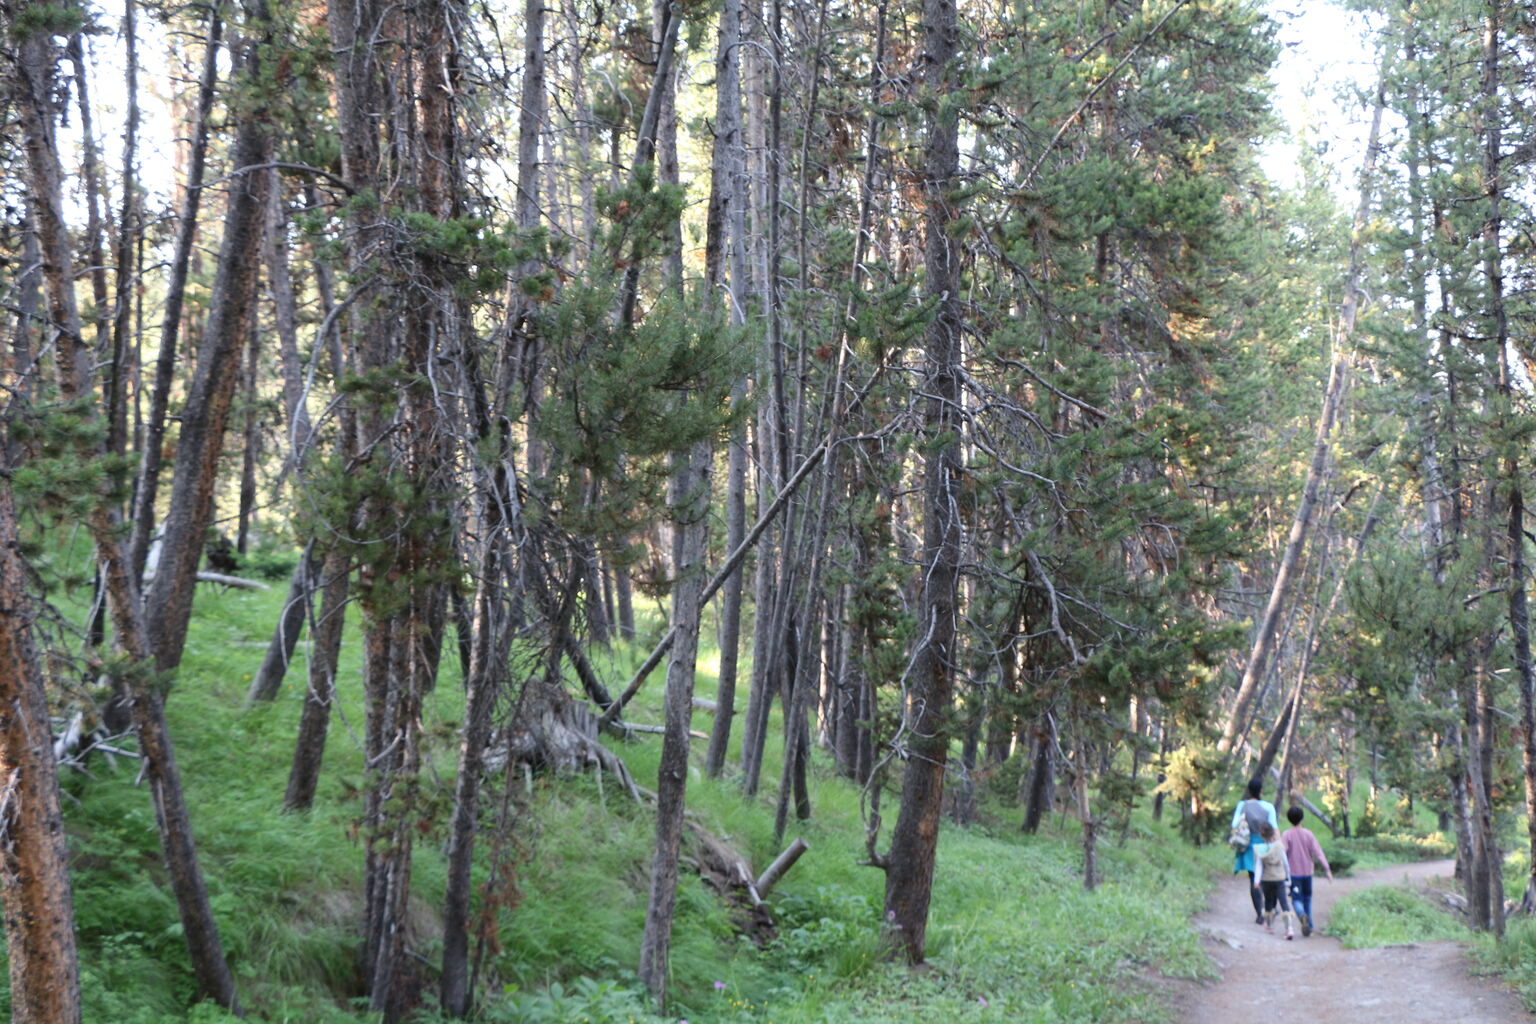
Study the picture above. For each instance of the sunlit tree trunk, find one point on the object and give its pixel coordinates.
(211, 389)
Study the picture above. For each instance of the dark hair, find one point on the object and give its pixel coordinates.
(1294, 815)
(1255, 787)
(1267, 831)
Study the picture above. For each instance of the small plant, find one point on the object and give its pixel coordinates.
(833, 931)
(1370, 820)
(584, 999)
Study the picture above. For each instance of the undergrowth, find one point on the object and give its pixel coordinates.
(1013, 936)
(1514, 959)
(1364, 853)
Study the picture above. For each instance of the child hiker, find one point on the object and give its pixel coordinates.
(1301, 853)
(1272, 875)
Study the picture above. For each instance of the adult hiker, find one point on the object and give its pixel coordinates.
(1256, 813)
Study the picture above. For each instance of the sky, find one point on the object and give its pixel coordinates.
(1328, 60)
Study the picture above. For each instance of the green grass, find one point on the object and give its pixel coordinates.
(1012, 935)
(1366, 853)
(1387, 915)
(1513, 959)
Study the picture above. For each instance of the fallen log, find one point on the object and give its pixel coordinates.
(781, 864)
(239, 582)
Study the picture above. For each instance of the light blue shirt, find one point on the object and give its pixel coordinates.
(1269, 815)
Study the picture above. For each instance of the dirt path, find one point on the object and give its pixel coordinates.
(1263, 974)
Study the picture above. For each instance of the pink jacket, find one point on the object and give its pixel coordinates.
(1301, 849)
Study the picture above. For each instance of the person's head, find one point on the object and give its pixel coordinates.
(1255, 787)
(1267, 832)
(1294, 815)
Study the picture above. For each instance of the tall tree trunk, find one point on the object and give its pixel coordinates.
(488, 654)
(691, 498)
(250, 442)
(35, 61)
(1485, 894)
(909, 871)
(314, 719)
(765, 138)
(667, 172)
(35, 891)
(96, 264)
(146, 488)
(1085, 815)
(727, 233)
(646, 142)
(285, 320)
(1266, 633)
(210, 392)
(1512, 487)
(490, 631)
(268, 679)
(20, 357)
(129, 235)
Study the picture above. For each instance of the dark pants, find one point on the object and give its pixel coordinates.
(1301, 895)
(1258, 901)
(1275, 893)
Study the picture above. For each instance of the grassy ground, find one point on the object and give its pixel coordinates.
(1389, 915)
(1013, 935)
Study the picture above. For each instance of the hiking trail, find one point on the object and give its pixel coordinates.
(1263, 975)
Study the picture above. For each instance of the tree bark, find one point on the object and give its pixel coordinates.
(914, 842)
(210, 392)
(1493, 273)
(488, 655)
(691, 497)
(285, 639)
(726, 232)
(35, 894)
(250, 442)
(314, 720)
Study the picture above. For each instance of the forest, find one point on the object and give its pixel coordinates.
(583, 511)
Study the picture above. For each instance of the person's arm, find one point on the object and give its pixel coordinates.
(1273, 821)
(1258, 869)
(1321, 858)
(1237, 813)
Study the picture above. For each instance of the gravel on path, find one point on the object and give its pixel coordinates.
(1318, 981)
